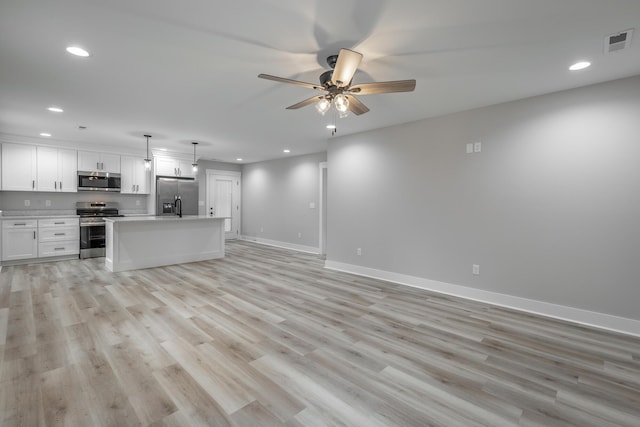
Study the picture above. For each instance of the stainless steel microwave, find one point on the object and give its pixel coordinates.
(98, 181)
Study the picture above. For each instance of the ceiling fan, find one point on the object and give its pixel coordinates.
(337, 85)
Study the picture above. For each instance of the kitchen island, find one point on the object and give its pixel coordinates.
(152, 241)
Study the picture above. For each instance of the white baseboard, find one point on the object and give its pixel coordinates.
(556, 311)
(285, 245)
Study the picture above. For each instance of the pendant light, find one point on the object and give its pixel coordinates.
(147, 160)
(194, 164)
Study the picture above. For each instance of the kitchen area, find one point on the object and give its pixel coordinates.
(56, 203)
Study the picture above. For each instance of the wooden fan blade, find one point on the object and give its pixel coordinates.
(383, 87)
(355, 106)
(305, 102)
(293, 82)
(346, 67)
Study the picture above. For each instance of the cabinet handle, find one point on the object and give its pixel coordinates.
(59, 234)
(19, 223)
(133, 187)
(59, 223)
(175, 171)
(60, 185)
(34, 234)
(98, 166)
(137, 188)
(33, 184)
(55, 185)
(58, 249)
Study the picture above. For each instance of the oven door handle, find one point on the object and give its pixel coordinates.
(92, 224)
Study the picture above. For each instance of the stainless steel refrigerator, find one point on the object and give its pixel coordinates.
(170, 189)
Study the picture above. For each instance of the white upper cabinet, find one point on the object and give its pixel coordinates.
(90, 161)
(110, 163)
(135, 176)
(169, 166)
(19, 167)
(57, 170)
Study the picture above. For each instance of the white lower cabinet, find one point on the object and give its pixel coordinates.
(32, 238)
(47, 249)
(59, 236)
(19, 239)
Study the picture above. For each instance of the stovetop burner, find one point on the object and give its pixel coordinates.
(97, 209)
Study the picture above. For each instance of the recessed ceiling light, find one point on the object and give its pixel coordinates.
(55, 109)
(45, 134)
(331, 126)
(239, 159)
(580, 65)
(77, 51)
(286, 150)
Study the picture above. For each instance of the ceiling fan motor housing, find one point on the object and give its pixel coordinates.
(325, 78)
(331, 60)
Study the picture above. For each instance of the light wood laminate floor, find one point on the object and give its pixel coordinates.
(268, 337)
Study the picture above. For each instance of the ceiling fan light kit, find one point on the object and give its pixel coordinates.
(323, 106)
(337, 85)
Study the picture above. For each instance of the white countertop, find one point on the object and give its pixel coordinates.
(19, 217)
(161, 218)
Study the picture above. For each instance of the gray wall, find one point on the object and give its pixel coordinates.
(549, 209)
(276, 195)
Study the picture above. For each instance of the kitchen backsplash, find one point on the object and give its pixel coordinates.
(40, 203)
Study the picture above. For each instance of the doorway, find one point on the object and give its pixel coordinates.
(223, 199)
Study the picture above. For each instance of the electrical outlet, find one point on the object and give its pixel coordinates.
(312, 205)
(47, 202)
(469, 148)
(477, 147)
(476, 269)
(359, 251)
(27, 202)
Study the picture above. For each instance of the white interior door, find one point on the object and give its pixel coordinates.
(223, 199)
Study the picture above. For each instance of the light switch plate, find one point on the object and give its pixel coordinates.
(469, 148)
(312, 205)
(477, 147)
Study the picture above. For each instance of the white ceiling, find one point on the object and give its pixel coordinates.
(186, 70)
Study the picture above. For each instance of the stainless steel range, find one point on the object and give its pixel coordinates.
(92, 226)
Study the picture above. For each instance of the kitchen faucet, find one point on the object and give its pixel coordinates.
(178, 205)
